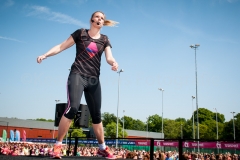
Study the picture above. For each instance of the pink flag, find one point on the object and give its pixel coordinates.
(24, 136)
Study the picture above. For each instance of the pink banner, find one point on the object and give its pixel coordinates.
(142, 143)
(227, 145)
(24, 136)
(221, 145)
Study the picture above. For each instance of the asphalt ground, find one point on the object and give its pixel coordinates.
(4, 157)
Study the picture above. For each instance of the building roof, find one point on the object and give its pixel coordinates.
(15, 122)
(144, 134)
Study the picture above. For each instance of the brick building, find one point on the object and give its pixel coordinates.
(41, 129)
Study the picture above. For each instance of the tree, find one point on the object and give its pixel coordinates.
(203, 115)
(138, 125)
(155, 123)
(128, 122)
(76, 132)
(188, 130)
(182, 120)
(111, 130)
(208, 130)
(228, 128)
(237, 126)
(172, 129)
(45, 120)
(108, 118)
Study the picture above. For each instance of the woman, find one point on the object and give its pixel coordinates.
(84, 77)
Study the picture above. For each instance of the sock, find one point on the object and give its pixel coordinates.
(57, 143)
(102, 146)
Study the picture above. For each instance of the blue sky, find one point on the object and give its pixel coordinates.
(151, 45)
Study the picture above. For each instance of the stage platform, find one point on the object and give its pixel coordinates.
(3, 157)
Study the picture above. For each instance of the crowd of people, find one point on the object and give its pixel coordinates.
(42, 149)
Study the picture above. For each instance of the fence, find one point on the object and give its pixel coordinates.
(151, 145)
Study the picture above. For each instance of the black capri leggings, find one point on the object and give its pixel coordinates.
(92, 91)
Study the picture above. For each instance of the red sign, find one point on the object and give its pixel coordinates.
(222, 145)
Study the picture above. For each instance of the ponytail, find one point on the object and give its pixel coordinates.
(107, 22)
(110, 23)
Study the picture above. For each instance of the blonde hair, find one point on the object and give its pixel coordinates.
(107, 22)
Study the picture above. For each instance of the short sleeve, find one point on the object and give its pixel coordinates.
(76, 35)
(107, 43)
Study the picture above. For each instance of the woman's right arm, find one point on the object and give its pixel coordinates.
(57, 49)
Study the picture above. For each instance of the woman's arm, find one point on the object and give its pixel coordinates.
(109, 58)
(57, 49)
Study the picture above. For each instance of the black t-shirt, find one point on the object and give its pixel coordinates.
(88, 53)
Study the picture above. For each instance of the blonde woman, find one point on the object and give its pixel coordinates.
(84, 77)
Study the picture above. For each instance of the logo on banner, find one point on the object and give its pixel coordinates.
(186, 144)
(219, 145)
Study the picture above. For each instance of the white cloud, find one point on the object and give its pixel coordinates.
(11, 39)
(47, 14)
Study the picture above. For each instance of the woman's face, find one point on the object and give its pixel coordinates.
(98, 19)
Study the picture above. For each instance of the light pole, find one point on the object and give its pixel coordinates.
(147, 126)
(216, 121)
(216, 125)
(233, 127)
(123, 123)
(121, 70)
(162, 108)
(193, 118)
(53, 125)
(195, 48)
(181, 132)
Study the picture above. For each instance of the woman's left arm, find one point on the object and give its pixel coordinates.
(109, 58)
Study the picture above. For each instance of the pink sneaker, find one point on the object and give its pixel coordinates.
(105, 153)
(57, 151)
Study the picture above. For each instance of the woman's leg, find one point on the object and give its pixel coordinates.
(75, 89)
(93, 99)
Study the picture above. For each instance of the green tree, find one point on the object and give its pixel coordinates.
(203, 115)
(111, 130)
(183, 120)
(155, 123)
(45, 120)
(237, 126)
(188, 129)
(209, 130)
(172, 129)
(220, 117)
(228, 128)
(108, 118)
(138, 125)
(128, 122)
(75, 131)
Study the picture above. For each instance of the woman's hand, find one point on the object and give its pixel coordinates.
(115, 66)
(40, 58)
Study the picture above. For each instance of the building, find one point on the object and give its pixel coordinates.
(41, 129)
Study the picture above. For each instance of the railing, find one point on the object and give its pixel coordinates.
(178, 144)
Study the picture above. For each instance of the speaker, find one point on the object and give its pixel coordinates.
(60, 108)
(82, 117)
